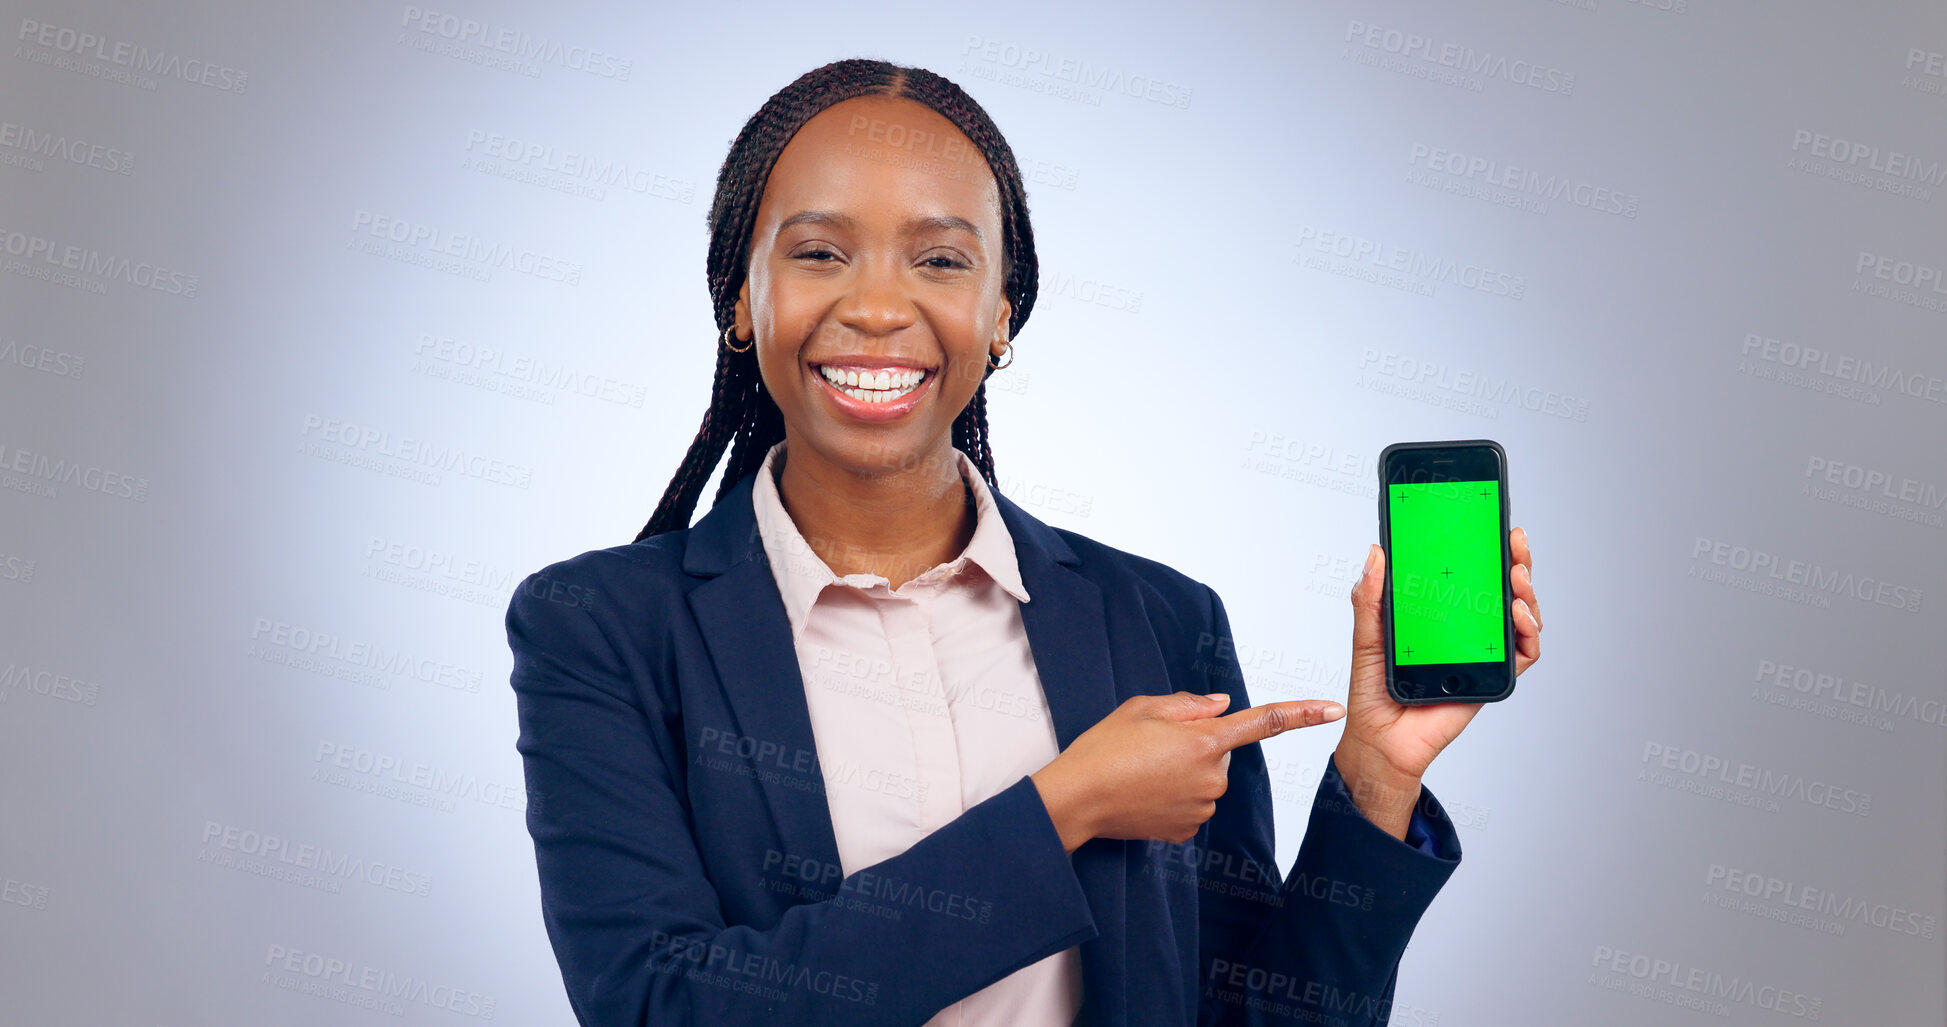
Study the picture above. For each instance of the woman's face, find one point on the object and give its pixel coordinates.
(876, 283)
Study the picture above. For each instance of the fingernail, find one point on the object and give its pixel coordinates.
(1333, 712)
(1372, 554)
(1218, 697)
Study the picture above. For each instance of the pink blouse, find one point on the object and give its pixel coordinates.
(924, 701)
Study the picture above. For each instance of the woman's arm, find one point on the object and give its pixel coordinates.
(634, 917)
(1323, 943)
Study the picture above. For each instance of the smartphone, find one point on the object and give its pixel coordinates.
(1447, 610)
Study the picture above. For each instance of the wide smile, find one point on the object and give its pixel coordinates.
(874, 391)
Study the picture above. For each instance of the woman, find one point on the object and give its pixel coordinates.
(868, 744)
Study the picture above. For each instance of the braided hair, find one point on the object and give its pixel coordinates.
(742, 417)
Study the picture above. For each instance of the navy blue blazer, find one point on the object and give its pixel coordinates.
(688, 870)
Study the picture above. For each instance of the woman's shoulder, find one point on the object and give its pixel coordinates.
(656, 555)
(607, 578)
(1154, 581)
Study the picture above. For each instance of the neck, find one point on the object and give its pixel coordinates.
(896, 523)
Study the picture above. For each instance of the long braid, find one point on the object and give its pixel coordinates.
(970, 435)
(742, 417)
(679, 499)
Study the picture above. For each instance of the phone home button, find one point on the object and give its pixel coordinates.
(1450, 684)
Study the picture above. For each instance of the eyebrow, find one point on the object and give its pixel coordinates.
(936, 222)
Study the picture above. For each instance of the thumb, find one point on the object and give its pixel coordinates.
(1190, 706)
(1367, 640)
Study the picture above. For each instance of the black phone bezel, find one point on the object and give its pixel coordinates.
(1425, 684)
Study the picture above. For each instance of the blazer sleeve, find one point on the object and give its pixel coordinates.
(1322, 945)
(631, 911)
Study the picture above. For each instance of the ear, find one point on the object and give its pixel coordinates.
(999, 344)
(745, 327)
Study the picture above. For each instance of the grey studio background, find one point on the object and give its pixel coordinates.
(321, 326)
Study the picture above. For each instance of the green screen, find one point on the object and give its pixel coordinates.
(1446, 566)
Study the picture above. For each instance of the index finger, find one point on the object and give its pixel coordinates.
(1261, 722)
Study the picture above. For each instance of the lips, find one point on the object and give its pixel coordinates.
(873, 385)
(873, 390)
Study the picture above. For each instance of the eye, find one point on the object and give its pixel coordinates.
(943, 262)
(816, 253)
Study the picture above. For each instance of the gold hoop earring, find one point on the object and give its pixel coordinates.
(1007, 348)
(726, 336)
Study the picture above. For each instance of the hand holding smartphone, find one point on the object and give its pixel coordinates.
(1446, 608)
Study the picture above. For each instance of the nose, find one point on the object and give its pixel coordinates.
(876, 304)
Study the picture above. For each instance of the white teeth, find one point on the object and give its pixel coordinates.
(882, 387)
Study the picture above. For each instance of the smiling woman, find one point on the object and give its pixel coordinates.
(912, 159)
(869, 744)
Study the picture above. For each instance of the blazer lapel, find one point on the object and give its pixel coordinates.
(742, 618)
(1068, 633)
